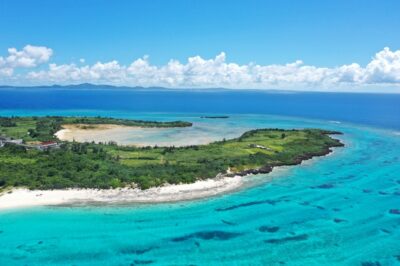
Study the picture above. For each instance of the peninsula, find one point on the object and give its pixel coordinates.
(73, 165)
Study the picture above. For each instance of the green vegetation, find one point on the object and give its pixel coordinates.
(44, 128)
(91, 165)
(7, 122)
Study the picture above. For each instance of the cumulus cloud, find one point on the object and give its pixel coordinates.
(67, 73)
(30, 56)
(384, 68)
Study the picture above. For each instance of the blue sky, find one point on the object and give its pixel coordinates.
(320, 33)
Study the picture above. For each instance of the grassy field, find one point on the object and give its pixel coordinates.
(92, 165)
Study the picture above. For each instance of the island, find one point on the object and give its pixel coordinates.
(215, 117)
(32, 157)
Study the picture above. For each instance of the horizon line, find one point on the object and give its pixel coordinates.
(269, 90)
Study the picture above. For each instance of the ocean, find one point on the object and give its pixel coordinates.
(377, 110)
(341, 209)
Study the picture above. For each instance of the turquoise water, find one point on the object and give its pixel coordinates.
(334, 210)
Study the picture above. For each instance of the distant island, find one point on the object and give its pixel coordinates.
(215, 117)
(31, 155)
(91, 86)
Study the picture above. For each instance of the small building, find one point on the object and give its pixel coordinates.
(259, 147)
(3, 140)
(46, 145)
(6, 140)
(15, 141)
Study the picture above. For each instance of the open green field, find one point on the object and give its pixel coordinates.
(92, 165)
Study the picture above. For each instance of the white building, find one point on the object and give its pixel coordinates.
(15, 141)
(47, 145)
(3, 141)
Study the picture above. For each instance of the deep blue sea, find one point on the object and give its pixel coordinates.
(377, 110)
(340, 209)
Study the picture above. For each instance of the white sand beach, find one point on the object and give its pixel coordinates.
(88, 133)
(22, 198)
(142, 136)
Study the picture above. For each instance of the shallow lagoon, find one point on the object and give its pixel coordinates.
(333, 210)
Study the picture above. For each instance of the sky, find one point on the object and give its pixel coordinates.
(301, 45)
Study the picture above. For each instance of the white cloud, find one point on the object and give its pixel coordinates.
(30, 56)
(6, 72)
(67, 73)
(383, 69)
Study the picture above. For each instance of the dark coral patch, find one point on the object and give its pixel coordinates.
(227, 222)
(136, 251)
(370, 263)
(247, 204)
(385, 231)
(269, 229)
(338, 220)
(394, 211)
(286, 239)
(27, 248)
(367, 190)
(207, 235)
(142, 262)
(324, 186)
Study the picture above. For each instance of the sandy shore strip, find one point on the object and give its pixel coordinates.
(23, 198)
(84, 132)
(135, 136)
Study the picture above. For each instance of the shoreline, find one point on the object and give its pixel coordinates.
(86, 132)
(105, 133)
(18, 198)
(25, 198)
